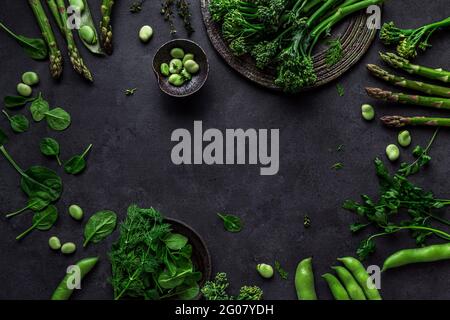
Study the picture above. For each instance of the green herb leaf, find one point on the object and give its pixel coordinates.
(334, 52)
(283, 273)
(19, 123)
(50, 148)
(77, 164)
(34, 48)
(11, 102)
(42, 220)
(130, 92)
(340, 90)
(58, 119)
(231, 223)
(175, 241)
(39, 108)
(99, 226)
(337, 166)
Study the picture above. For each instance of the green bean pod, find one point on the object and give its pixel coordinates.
(353, 289)
(337, 289)
(431, 253)
(362, 277)
(62, 292)
(304, 280)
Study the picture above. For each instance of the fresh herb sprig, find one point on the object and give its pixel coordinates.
(334, 52)
(216, 289)
(283, 273)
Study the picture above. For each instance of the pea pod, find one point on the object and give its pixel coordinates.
(362, 277)
(431, 253)
(304, 280)
(337, 289)
(353, 289)
(87, 32)
(62, 292)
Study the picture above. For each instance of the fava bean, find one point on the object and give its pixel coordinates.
(191, 66)
(362, 277)
(177, 53)
(431, 253)
(404, 138)
(337, 289)
(176, 80)
(146, 33)
(24, 90)
(186, 75)
(367, 111)
(68, 248)
(165, 69)
(76, 212)
(353, 289)
(175, 66)
(77, 3)
(304, 280)
(30, 78)
(188, 56)
(265, 270)
(87, 34)
(392, 152)
(54, 243)
(64, 291)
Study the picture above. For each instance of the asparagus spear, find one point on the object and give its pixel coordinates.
(105, 26)
(75, 57)
(400, 121)
(54, 10)
(432, 102)
(427, 88)
(56, 65)
(401, 63)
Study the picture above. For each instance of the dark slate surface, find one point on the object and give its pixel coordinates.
(130, 161)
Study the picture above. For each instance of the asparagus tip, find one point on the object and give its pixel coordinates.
(394, 121)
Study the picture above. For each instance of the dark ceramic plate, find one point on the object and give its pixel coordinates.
(197, 81)
(200, 254)
(355, 37)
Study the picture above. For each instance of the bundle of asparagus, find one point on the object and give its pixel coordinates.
(439, 96)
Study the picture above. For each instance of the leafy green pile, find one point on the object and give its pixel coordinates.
(282, 33)
(397, 195)
(149, 261)
(217, 290)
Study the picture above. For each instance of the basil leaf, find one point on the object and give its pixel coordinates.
(99, 226)
(11, 102)
(77, 164)
(175, 241)
(38, 108)
(231, 223)
(58, 119)
(42, 220)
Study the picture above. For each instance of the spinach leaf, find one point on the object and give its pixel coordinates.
(42, 220)
(50, 148)
(34, 48)
(188, 292)
(76, 164)
(58, 119)
(38, 108)
(35, 204)
(3, 137)
(175, 241)
(231, 223)
(19, 123)
(11, 102)
(99, 226)
(41, 182)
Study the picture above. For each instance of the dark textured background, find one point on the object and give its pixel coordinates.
(130, 161)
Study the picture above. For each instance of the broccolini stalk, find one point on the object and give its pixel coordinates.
(106, 35)
(400, 63)
(75, 57)
(56, 65)
(401, 121)
(427, 88)
(432, 102)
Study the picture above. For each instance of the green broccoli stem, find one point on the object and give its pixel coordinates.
(56, 63)
(427, 88)
(74, 54)
(342, 12)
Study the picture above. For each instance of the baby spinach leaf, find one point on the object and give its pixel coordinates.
(41, 182)
(58, 119)
(188, 292)
(11, 102)
(3, 137)
(175, 241)
(38, 108)
(19, 123)
(231, 223)
(99, 226)
(35, 204)
(42, 220)
(50, 148)
(34, 48)
(77, 164)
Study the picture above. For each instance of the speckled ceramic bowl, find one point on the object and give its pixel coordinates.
(200, 254)
(198, 79)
